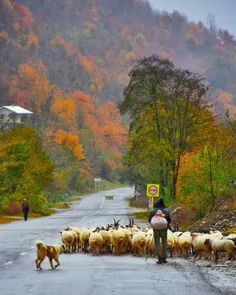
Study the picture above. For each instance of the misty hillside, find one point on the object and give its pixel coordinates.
(89, 45)
(67, 61)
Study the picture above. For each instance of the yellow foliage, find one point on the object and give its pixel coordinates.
(58, 42)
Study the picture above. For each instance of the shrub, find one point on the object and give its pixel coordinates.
(12, 208)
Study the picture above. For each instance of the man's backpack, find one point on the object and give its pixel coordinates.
(159, 221)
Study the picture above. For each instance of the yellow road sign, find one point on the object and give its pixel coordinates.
(152, 190)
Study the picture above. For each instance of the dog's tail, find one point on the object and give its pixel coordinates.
(40, 244)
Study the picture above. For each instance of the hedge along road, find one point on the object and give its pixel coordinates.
(83, 273)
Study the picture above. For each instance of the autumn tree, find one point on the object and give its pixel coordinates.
(25, 168)
(164, 104)
(205, 177)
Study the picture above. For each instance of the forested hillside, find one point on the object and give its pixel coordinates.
(67, 62)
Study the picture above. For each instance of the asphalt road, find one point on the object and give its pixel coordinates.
(83, 273)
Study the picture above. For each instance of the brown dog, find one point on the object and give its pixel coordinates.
(52, 252)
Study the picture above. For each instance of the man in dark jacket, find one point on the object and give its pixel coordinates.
(161, 233)
(25, 209)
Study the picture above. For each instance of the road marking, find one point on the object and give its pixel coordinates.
(23, 253)
(96, 211)
(8, 263)
(102, 203)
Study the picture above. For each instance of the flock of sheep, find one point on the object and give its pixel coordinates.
(131, 239)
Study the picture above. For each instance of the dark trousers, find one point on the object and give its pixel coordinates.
(25, 215)
(161, 234)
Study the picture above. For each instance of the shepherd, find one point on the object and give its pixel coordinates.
(160, 225)
(25, 209)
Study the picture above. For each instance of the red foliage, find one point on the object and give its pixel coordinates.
(12, 208)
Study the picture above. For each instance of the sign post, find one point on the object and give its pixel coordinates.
(97, 183)
(152, 191)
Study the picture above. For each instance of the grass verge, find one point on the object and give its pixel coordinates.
(4, 219)
(61, 205)
(141, 215)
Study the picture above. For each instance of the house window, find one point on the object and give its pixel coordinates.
(23, 118)
(12, 117)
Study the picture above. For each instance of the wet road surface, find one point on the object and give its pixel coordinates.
(83, 273)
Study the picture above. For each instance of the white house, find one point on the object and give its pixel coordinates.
(11, 115)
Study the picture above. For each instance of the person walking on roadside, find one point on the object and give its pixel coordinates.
(160, 233)
(25, 209)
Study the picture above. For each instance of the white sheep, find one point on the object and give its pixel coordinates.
(84, 239)
(76, 243)
(171, 242)
(184, 243)
(198, 242)
(138, 244)
(67, 238)
(106, 236)
(220, 245)
(126, 248)
(117, 240)
(96, 243)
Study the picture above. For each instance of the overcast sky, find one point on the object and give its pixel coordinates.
(195, 10)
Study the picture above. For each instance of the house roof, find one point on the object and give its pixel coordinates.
(16, 109)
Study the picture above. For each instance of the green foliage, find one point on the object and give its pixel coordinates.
(25, 167)
(166, 107)
(206, 177)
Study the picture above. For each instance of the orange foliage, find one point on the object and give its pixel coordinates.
(81, 97)
(87, 63)
(3, 37)
(71, 142)
(225, 97)
(33, 77)
(108, 112)
(84, 174)
(33, 41)
(65, 108)
(8, 4)
(20, 98)
(89, 26)
(58, 42)
(91, 123)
